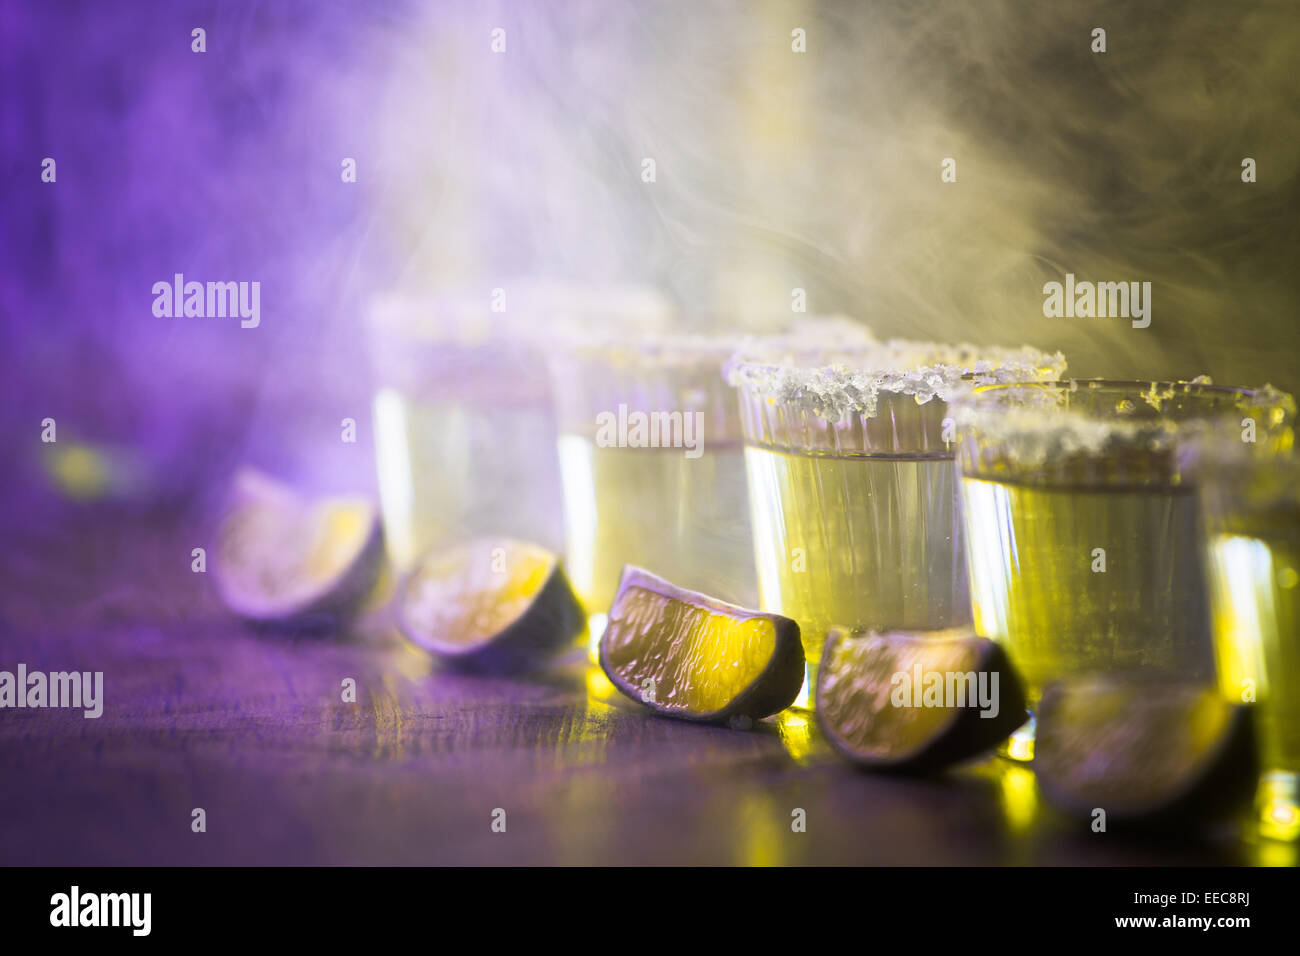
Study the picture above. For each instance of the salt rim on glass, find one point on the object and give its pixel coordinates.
(886, 397)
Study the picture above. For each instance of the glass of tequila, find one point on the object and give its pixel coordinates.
(651, 466)
(463, 427)
(853, 490)
(1250, 500)
(1083, 541)
(464, 422)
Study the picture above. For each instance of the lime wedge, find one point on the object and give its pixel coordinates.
(1143, 751)
(492, 604)
(687, 655)
(282, 558)
(914, 702)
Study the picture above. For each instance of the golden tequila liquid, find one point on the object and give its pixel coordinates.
(686, 519)
(464, 424)
(453, 469)
(1255, 584)
(1250, 506)
(864, 541)
(1096, 579)
(1085, 538)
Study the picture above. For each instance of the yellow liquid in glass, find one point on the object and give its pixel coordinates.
(1036, 558)
(684, 519)
(1255, 584)
(451, 470)
(864, 541)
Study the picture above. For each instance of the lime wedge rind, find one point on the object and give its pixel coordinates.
(536, 625)
(772, 690)
(1121, 762)
(283, 561)
(950, 735)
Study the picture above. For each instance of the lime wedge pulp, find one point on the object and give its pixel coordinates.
(915, 702)
(495, 604)
(687, 655)
(1143, 750)
(283, 558)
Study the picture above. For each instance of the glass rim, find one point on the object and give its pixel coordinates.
(847, 357)
(692, 340)
(984, 400)
(847, 379)
(670, 348)
(1137, 431)
(532, 310)
(1146, 384)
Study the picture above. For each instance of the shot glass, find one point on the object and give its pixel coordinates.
(852, 484)
(464, 429)
(651, 465)
(1250, 506)
(1082, 529)
(464, 419)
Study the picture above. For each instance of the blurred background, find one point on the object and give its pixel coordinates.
(774, 170)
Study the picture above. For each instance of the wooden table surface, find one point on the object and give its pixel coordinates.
(201, 712)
